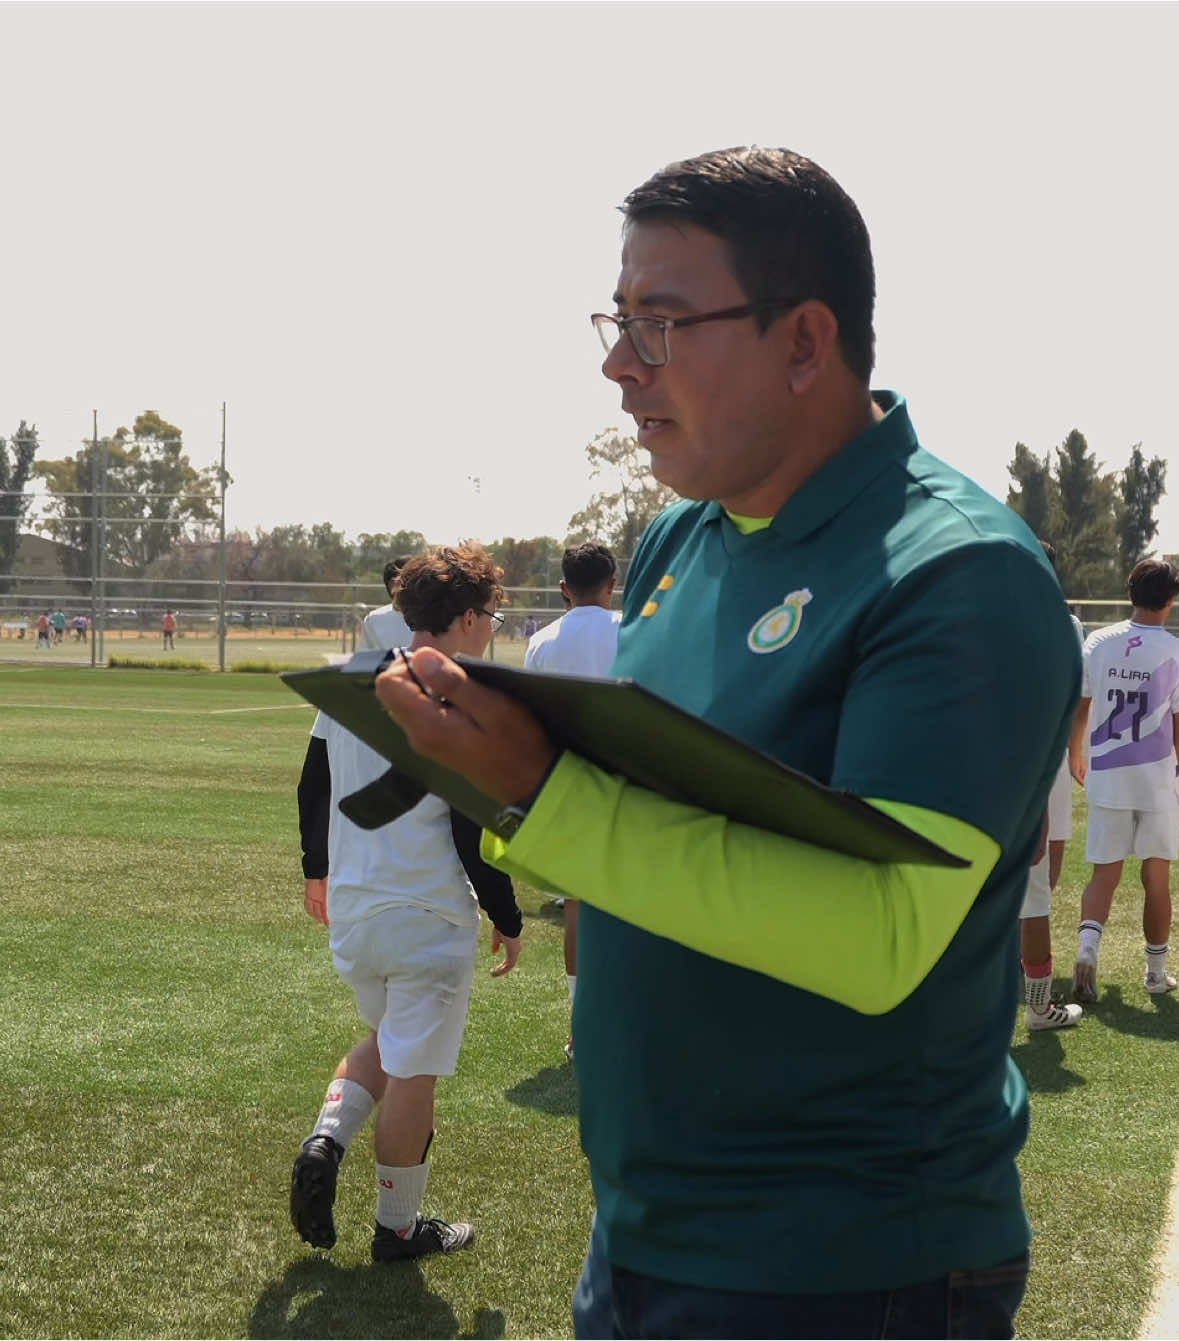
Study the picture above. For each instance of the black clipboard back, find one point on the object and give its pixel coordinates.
(624, 728)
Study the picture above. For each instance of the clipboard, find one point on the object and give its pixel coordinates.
(626, 729)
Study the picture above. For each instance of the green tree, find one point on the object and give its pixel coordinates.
(1087, 541)
(372, 551)
(1034, 493)
(1140, 487)
(619, 513)
(155, 497)
(16, 464)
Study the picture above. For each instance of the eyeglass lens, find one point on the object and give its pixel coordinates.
(646, 334)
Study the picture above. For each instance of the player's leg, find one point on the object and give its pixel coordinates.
(1157, 842)
(427, 992)
(570, 913)
(350, 1098)
(354, 1091)
(1035, 949)
(1109, 840)
(1055, 860)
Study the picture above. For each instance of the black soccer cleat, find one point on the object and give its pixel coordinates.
(429, 1236)
(313, 1190)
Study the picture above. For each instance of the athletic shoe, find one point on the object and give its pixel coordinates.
(1058, 1015)
(313, 1190)
(1159, 983)
(429, 1236)
(1085, 980)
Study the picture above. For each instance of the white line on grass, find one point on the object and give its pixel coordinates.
(277, 707)
(174, 712)
(1162, 1313)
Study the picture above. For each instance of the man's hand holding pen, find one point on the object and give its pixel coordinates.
(485, 735)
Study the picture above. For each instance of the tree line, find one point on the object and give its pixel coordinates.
(1101, 523)
(161, 515)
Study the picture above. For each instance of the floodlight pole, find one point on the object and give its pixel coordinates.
(94, 545)
(221, 561)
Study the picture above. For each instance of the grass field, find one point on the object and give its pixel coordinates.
(171, 1017)
(241, 645)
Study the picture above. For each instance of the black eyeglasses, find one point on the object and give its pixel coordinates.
(648, 335)
(497, 621)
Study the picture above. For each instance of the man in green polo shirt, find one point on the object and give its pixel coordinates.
(796, 1096)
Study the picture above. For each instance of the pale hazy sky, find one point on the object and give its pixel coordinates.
(377, 231)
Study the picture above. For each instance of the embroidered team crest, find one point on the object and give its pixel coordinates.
(778, 626)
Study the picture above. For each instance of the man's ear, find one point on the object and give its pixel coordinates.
(810, 333)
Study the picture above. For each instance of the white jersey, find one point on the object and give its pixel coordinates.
(412, 861)
(1132, 676)
(385, 627)
(583, 641)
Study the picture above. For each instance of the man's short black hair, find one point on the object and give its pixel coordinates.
(1152, 583)
(587, 567)
(792, 232)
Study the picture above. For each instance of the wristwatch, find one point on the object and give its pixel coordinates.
(508, 820)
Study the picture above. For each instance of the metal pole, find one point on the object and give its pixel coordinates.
(104, 455)
(94, 545)
(221, 562)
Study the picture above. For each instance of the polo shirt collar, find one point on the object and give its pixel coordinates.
(837, 481)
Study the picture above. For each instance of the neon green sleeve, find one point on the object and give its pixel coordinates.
(862, 933)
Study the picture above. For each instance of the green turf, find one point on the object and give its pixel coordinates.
(171, 1018)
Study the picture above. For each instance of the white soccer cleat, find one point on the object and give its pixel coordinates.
(1157, 984)
(1057, 1015)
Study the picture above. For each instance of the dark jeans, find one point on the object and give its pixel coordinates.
(613, 1302)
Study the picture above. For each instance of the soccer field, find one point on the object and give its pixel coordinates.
(171, 1018)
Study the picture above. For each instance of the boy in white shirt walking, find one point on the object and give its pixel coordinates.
(1129, 698)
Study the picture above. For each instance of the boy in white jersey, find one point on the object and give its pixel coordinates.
(404, 930)
(584, 641)
(385, 626)
(1131, 684)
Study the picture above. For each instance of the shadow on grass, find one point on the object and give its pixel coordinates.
(317, 1298)
(1041, 1059)
(549, 910)
(1157, 1017)
(553, 1090)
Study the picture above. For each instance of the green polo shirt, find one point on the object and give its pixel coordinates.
(896, 632)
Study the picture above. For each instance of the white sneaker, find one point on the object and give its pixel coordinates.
(1058, 1015)
(1159, 983)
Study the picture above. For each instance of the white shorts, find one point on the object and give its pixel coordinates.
(1115, 835)
(411, 971)
(1037, 899)
(1060, 805)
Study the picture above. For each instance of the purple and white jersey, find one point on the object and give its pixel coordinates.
(1132, 676)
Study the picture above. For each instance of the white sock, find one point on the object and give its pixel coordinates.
(345, 1110)
(400, 1193)
(571, 979)
(1156, 961)
(1090, 942)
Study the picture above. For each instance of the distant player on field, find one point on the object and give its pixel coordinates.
(168, 626)
(584, 641)
(385, 626)
(404, 931)
(1130, 696)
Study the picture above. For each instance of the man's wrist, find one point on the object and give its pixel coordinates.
(510, 817)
